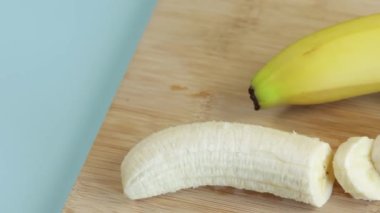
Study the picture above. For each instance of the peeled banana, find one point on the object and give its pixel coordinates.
(230, 154)
(335, 63)
(354, 169)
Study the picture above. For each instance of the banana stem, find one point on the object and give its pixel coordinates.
(252, 95)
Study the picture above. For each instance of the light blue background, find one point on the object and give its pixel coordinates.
(61, 62)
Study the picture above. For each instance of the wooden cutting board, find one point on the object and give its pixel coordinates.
(194, 63)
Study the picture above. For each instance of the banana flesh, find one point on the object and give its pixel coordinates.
(354, 169)
(335, 63)
(230, 154)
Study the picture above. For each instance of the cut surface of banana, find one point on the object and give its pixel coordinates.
(375, 155)
(230, 154)
(354, 169)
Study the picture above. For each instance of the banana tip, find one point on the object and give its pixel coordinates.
(252, 95)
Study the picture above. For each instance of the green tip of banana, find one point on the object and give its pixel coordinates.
(333, 64)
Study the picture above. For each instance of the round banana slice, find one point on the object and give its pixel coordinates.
(354, 169)
(230, 154)
(376, 154)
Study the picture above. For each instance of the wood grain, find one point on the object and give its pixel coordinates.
(194, 63)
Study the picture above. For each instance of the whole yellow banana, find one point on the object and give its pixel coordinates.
(335, 63)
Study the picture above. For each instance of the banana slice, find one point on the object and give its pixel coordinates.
(230, 154)
(354, 170)
(375, 156)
